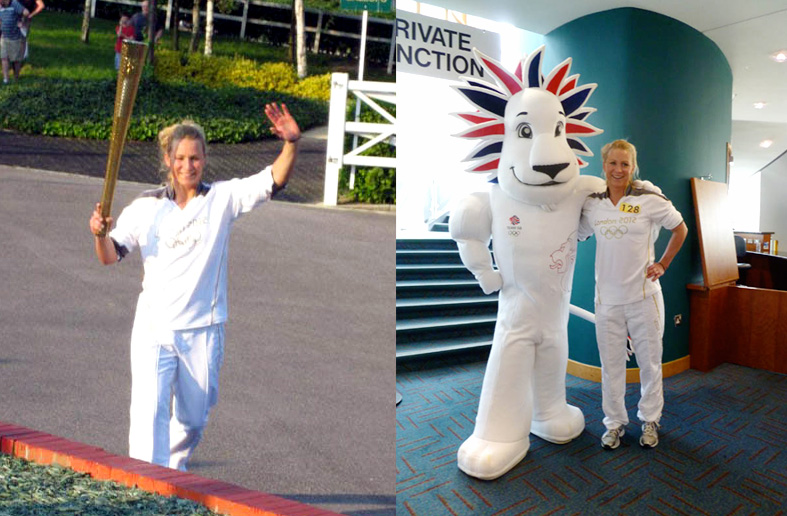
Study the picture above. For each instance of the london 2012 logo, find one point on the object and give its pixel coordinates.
(514, 229)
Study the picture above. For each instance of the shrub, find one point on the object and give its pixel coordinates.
(84, 109)
(372, 185)
(219, 71)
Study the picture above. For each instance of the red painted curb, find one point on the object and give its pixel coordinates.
(216, 495)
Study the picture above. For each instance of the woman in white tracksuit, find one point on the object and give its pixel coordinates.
(182, 231)
(626, 220)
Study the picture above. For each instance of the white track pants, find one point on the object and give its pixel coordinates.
(644, 322)
(178, 367)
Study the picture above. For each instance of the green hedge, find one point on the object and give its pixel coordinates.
(29, 489)
(218, 72)
(83, 109)
(372, 185)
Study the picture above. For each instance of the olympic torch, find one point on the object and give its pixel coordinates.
(132, 59)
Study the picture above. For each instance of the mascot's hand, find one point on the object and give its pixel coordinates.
(646, 185)
(490, 281)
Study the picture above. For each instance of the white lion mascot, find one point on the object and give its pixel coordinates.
(529, 127)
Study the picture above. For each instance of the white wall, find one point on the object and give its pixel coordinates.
(430, 174)
(773, 202)
(744, 196)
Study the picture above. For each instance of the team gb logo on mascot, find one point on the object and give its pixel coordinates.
(529, 128)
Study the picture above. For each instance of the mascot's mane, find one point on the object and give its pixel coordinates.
(491, 99)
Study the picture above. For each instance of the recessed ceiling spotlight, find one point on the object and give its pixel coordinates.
(779, 56)
(760, 105)
(766, 143)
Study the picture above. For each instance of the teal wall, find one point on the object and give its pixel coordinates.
(667, 89)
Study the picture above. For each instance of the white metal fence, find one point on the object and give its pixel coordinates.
(368, 92)
(243, 21)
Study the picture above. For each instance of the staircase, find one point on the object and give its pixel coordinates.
(439, 306)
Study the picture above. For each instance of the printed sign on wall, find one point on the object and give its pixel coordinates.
(438, 48)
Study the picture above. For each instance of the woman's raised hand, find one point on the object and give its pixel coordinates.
(283, 124)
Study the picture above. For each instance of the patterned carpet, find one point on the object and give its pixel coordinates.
(722, 450)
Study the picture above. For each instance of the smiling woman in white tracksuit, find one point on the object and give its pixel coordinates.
(626, 221)
(182, 231)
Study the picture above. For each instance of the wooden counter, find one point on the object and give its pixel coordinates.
(739, 324)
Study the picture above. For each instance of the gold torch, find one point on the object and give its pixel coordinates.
(132, 59)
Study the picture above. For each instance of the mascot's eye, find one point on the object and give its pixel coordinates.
(524, 131)
(559, 129)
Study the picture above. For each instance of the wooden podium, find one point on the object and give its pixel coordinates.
(729, 322)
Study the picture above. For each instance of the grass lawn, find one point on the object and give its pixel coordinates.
(56, 50)
(67, 89)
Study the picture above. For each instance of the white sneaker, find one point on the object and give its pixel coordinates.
(611, 438)
(650, 435)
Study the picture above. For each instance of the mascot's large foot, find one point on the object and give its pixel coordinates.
(488, 460)
(562, 428)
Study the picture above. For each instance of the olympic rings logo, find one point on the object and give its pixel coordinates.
(610, 232)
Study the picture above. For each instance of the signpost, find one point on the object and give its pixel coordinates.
(378, 6)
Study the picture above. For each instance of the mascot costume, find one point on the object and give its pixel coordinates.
(529, 127)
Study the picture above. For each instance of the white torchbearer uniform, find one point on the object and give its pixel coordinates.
(177, 343)
(627, 302)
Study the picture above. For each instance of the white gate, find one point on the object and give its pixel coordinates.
(369, 93)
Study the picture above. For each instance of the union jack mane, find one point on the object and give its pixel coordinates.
(490, 99)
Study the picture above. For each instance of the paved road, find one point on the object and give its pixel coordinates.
(306, 404)
(141, 160)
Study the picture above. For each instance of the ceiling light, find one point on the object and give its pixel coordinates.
(779, 56)
(759, 105)
(766, 143)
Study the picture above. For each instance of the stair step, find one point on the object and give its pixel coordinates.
(440, 307)
(428, 256)
(430, 348)
(455, 283)
(415, 308)
(446, 301)
(438, 288)
(444, 322)
(425, 243)
(440, 227)
(421, 271)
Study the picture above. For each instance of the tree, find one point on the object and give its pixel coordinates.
(209, 28)
(194, 43)
(86, 23)
(300, 37)
(151, 30)
(174, 21)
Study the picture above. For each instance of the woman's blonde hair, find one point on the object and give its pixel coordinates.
(170, 137)
(623, 145)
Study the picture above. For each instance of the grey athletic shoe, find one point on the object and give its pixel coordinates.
(650, 435)
(611, 438)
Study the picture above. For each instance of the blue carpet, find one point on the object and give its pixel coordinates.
(722, 449)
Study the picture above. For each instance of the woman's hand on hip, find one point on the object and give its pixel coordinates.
(656, 271)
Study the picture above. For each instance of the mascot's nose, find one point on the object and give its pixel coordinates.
(550, 170)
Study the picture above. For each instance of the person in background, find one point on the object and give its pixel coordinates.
(140, 21)
(35, 7)
(625, 220)
(12, 43)
(124, 31)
